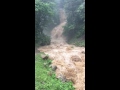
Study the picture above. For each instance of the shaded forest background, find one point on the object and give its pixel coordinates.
(47, 17)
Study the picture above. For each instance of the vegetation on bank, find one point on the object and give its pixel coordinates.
(77, 42)
(75, 27)
(44, 80)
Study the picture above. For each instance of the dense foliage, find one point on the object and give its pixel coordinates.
(45, 81)
(47, 17)
(45, 12)
(75, 10)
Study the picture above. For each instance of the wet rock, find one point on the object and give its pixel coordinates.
(76, 58)
(54, 67)
(50, 66)
(83, 52)
(43, 56)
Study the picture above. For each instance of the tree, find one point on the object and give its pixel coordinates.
(44, 13)
(75, 10)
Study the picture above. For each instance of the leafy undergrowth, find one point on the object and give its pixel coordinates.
(76, 42)
(46, 81)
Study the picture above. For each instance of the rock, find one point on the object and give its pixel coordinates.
(54, 67)
(43, 56)
(50, 66)
(76, 58)
(83, 52)
(62, 78)
(71, 79)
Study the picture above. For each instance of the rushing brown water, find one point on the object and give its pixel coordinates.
(69, 59)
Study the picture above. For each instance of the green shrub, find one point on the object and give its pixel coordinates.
(43, 81)
(42, 40)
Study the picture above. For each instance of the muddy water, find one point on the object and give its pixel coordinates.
(69, 59)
